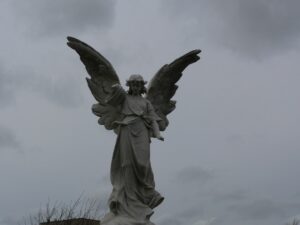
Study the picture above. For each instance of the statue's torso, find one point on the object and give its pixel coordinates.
(134, 107)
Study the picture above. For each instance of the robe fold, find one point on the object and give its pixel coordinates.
(134, 195)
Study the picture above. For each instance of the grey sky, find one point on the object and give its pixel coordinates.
(257, 28)
(231, 151)
(64, 91)
(52, 18)
(7, 139)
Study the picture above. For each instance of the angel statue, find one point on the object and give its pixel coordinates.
(136, 116)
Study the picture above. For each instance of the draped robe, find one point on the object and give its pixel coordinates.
(133, 195)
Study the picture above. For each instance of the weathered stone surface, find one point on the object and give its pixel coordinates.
(111, 219)
(135, 115)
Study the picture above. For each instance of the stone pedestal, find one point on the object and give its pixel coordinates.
(111, 219)
(78, 221)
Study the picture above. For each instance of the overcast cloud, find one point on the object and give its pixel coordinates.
(55, 17)
(63, 92)
(231, 151)
(7, 139)
(257, 28)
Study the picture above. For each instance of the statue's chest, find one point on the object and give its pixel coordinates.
(135, 105)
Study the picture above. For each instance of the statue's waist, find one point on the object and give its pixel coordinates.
(128, 119)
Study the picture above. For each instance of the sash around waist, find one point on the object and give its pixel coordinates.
(132, 119)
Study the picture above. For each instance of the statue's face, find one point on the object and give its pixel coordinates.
(136, 87)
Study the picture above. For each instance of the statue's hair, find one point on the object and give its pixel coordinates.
(143, 91)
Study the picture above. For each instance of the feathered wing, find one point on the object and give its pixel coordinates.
(102, 77)
(163, 86)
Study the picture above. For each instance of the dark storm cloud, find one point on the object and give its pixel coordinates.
(64, 17)
(255, 28)
(7, 138)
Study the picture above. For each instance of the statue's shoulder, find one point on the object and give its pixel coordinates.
(145, 100)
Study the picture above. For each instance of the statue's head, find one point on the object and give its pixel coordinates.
(136, 84)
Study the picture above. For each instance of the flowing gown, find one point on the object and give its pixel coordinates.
(134, 195)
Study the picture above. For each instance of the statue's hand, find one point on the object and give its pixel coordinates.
(160, 138)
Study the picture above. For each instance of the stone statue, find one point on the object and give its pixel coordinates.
(135, 115)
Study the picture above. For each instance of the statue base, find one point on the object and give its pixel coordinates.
(78, 221)
(112, 219)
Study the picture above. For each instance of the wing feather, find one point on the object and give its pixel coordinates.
(163, 86)
(102, 78)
